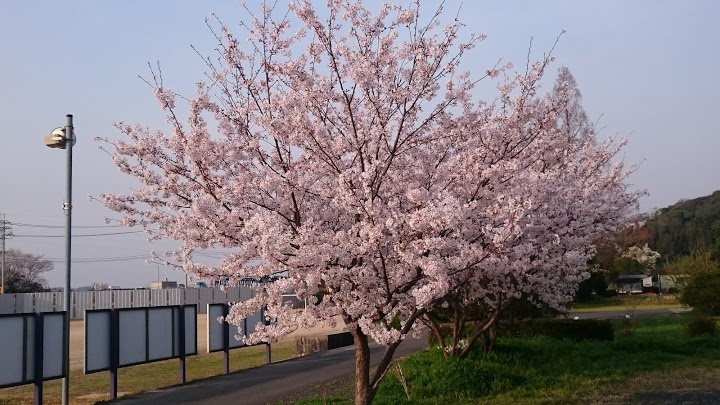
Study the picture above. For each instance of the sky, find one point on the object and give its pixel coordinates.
(647, 69)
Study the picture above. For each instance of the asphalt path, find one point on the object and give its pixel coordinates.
(619, 314)
(269, 383)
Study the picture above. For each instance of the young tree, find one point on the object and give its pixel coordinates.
(363, 168)
(23, 272)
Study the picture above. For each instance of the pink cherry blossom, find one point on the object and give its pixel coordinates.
(346, 148)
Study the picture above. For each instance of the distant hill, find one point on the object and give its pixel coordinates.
(685, 226)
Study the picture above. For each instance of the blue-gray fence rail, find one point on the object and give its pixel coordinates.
(108, 299)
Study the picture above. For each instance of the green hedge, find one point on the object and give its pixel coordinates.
(577, 330)
(574, 329)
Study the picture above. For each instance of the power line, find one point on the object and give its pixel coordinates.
(62, 226)
(77, 236)
(87, 259)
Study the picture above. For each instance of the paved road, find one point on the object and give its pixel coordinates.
(270, 383)
(618, 314)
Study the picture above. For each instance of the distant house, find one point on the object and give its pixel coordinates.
(639, 283)
(632, 283)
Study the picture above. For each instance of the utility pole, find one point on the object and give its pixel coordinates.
(67, 207)
(64, 138)
(4, 233)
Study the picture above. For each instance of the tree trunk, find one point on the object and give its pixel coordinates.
(480, 329)
(363, 394)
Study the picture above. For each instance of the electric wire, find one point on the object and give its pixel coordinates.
(88, 259)
(76, 236)
(62, 226)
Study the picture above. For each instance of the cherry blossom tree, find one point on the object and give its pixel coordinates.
(647, 257)
(565, 191)
(350, 153)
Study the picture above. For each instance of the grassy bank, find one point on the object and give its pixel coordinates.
(653, 353)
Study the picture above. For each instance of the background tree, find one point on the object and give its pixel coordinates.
(698, 263)
(23, 272)
(647, 257)
(362, 166)
(572, 119)
(701, 292)
(686, 226)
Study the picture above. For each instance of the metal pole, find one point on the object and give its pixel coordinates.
(2, 291)
(39, 354)
(69, 138)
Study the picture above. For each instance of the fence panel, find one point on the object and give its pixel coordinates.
(176, 296)
(158, 298)
(25, 303)
(44, 302)
(80, 301)
(141, 298)
(192, 296)
(124, 298)
(103, 299)
(7, 303)
(205, 296)
(107, 299)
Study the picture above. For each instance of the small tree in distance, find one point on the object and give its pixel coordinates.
(23, 272)
(362, 166)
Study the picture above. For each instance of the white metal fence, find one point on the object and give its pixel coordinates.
(107, 299)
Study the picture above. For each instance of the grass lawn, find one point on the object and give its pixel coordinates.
(90, 388)
(653, 355)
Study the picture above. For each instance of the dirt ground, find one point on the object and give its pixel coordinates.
(77, 338)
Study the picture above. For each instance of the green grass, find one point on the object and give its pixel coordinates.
(91, 388)
(542, 370)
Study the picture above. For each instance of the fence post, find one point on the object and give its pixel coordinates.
(38, 350)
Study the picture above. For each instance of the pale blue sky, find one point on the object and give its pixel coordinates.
(650, 68)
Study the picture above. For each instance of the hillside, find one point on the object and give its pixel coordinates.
(685, 226)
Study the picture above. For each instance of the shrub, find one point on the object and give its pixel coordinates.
(610, 293)
(702, 292)
(701, 325)
(577, 330)
(651, 290)
(595, 286)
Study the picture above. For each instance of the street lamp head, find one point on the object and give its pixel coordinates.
(57, 138)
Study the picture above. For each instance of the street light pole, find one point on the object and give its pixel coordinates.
(67, 207)
(2, 237)
(64, 138)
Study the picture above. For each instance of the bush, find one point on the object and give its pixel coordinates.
(577, 330)
(610, 293)
(702, 293)
(595, 286)
(651, 290)
(701, 325)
